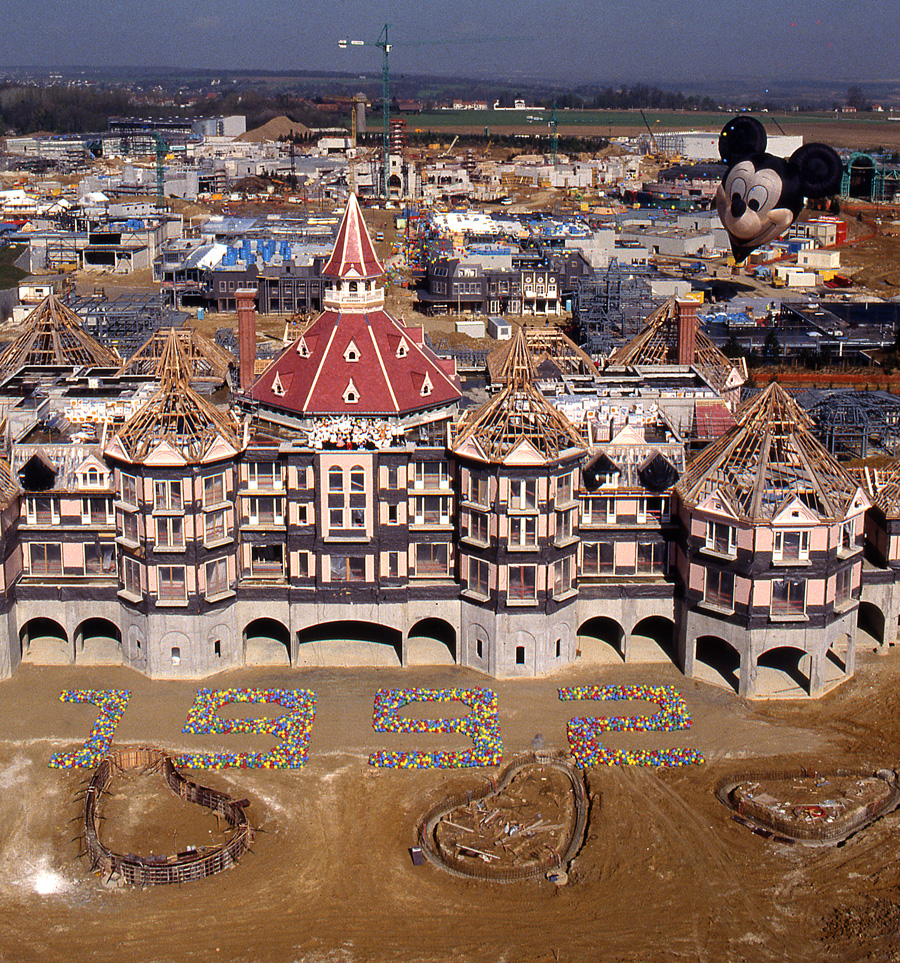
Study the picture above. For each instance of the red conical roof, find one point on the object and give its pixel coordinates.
(353, 254)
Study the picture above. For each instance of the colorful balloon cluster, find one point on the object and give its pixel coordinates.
(481, 725)
(292, 729)
(112, 703)
(672, 715)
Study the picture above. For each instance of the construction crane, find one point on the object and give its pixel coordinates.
(161, 148)
(385, 45)
(554, 137)
(655, 145)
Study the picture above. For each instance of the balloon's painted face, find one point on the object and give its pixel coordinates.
(749, 202)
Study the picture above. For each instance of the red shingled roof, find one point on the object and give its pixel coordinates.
(712, 419)
(353, 254)
(363, 364)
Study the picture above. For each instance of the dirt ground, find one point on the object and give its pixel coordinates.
(664, 875)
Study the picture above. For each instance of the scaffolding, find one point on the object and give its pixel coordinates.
(609, 308)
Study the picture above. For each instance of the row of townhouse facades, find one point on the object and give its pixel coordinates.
(347, 511)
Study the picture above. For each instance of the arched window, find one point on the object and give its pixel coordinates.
(335, 480)
(357, 479)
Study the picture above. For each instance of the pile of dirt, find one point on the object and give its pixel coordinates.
(278, 128)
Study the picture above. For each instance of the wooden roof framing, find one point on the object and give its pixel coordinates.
(657, 344)
(770, 458)
(9, 486)
(177, 424)
(883, 484)
(54, 337)
(517, 423)
(546, 343)
(206, 360)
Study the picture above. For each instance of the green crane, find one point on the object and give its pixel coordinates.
(386, 46)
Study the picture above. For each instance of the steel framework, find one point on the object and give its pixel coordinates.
(609, 308)
(855, 424)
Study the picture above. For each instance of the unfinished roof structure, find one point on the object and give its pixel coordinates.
(883, 485)
(547, 344)
(671, 336)
(9, 487)
(518, 425)
(177, 426)
(205, 360)
(54, 337)
(768, 460)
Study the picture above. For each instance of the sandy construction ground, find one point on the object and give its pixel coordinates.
(664, 874)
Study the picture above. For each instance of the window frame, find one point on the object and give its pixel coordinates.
(170, 586)
(518, 588)
(46, 565)
(713, 540)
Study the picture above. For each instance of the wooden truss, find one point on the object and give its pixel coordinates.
(768, 459)
(206, 361)
(657, 344)
(518, 413)
(883, 484)
(545, 343)
(177, 415)
(9, 487)
(54, 337)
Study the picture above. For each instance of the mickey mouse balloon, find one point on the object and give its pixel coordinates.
(761, 195)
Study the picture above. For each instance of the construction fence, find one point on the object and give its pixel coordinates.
(162, 870)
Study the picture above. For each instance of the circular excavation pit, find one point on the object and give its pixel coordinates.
(528, 824)
(811, 807)
(140, 817)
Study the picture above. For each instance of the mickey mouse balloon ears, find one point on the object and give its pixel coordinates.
(761, 195)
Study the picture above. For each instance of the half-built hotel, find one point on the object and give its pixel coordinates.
(353, 505)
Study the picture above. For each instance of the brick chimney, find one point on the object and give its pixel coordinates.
(246, 312)
(686, 318)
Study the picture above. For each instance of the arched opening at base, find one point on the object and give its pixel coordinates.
(870, 624)
(98, 642)
(601, 639)
(783, 672)
(652, 640)
(267, 642)
(349, 643)
(45, 642)
(717, 662)
(431, 642)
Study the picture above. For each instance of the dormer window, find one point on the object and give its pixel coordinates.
(402, 348)
(277, 387)
(351, 395)
(302, 348)
(427, 387)
(92, 478)
(352, 352)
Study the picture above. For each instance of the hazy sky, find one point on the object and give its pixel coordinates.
(627, 40)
